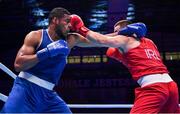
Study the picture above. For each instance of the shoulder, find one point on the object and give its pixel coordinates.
(33, 37)
(123, 39)
(35, 34)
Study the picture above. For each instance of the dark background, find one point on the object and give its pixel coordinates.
(93, 83)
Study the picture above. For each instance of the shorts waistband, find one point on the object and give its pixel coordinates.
(36, 80)
(154, 78)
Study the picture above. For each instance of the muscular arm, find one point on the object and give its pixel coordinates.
(112, 34)
(107, 41)
(104, 40)
(26, 57)
(75, 39)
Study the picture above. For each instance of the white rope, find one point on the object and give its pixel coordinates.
(10, 73)
(7, 70)
(100, 105)
(3, 97)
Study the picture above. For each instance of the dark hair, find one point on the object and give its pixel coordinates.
(58, 12)
(123, 23)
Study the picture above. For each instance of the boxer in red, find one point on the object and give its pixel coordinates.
(157, 93)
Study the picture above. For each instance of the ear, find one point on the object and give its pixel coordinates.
(55, 20)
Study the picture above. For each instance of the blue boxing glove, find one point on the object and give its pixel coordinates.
(53, 49)
(136, 28)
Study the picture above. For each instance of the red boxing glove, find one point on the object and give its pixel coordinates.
(114, 53)
(78, 25)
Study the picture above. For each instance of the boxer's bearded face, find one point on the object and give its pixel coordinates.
(59, 31)
(63, 26)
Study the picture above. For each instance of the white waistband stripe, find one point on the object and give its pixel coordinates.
(154, 78)
(36, 80)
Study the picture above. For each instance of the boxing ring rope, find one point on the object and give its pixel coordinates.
(13, 75)
(3, 97)
(7, 70)
(100, 105)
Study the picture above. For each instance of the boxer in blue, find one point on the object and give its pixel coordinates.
(40, 62)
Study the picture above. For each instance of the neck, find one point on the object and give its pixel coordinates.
(52, 33)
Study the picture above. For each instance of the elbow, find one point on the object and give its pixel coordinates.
(17, 67)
